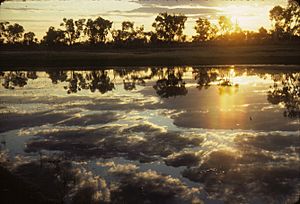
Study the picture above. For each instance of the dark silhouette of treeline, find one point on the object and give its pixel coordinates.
(169, 82)
(168, 29)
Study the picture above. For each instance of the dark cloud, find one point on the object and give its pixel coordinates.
(12, 121)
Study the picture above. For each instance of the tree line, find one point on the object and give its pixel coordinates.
(168, 28)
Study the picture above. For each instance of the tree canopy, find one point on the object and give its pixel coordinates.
(54, 37)
(97, 30)
(169, 27)
(205, 30)
(286, 21)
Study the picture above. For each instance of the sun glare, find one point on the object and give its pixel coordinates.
(248, 17)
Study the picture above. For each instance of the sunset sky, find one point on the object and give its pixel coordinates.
(38, 15)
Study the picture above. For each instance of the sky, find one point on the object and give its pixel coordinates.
(39, 15)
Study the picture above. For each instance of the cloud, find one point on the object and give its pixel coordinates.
(226, 174)
(146, 127)
(269, 142)
(23, 9)
(183, 159)
(152, 187)
(156, 10)
(203, 3)
(112, 141)
(91, 119)
(256, 168)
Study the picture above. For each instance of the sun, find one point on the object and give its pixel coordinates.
(249, 17)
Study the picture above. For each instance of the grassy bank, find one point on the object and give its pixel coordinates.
(78, 58)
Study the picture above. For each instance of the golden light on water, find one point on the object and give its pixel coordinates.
(231, 73)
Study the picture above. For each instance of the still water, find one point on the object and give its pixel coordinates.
(161, 135)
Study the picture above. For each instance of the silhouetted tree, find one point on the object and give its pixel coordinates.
(97, 30)
(140, 35)
(153, 37)
(3, 31)
(128, 32)
(129, 35)
(29, 38)
(225, 25)
(13, 33)
(125, 34)
(73, 30)
(251, 36)
(205, 30)
(262, 34)
(54, 37)
(169, 27)
(286, 21)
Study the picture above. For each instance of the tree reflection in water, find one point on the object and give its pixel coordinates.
(204, 77)
(92, 80)
(170, 83)
(99, 80)
(16, 78)
(131, 78)
(288, 93)
(57, 76)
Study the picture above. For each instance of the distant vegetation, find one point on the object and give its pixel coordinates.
(168, 28)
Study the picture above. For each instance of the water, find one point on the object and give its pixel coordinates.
(182, 134)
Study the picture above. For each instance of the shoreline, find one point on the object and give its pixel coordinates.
(16, 59)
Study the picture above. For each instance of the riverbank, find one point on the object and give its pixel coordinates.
(12, 59)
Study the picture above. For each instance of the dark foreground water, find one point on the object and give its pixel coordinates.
(155, 135)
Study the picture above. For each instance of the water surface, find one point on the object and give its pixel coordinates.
(181, 134)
